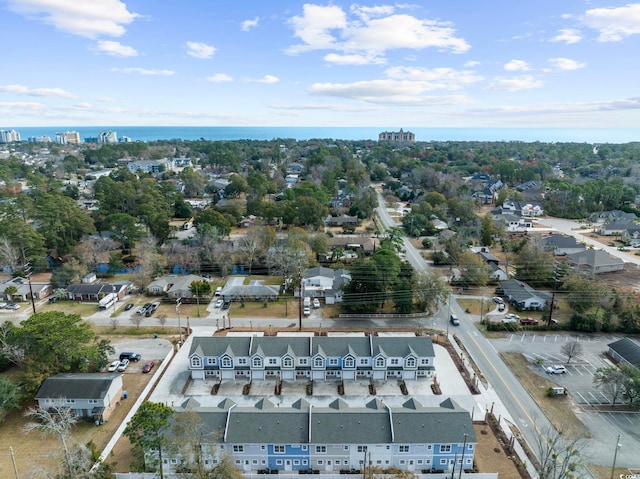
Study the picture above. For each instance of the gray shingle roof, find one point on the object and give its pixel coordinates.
(238, 346)
(446, 424)
(340, 346)
(628, 349)
(593, 258)
(76, 386)
(350, 426)
(279, 346)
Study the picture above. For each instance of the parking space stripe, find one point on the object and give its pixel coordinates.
(584, 400)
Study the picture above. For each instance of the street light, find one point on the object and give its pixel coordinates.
(178, 303)
(615, 455)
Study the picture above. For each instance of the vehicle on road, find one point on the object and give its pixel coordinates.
(501, 307)
(123, 365)
(113, 366)
(454, 320)
(12, 306)
(529, 321)
(148, 366)
(556, 369)
(498, 300)
(512, 316)
(316, 303)
(218, 304)
(128, 306)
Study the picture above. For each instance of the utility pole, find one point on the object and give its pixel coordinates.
(464, 446)
(13, 461)
(300, 292)
(553, 294)
(27, 271)
(448, 314)
(178, 303)
(615, 455)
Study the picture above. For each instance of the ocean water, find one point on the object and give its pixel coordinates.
(218, 133)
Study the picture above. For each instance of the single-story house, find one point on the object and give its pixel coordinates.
(39, 289)
(561, 245)
(342, 220)
(488, 257)
(173, 286)
(625, 350)
(617, 228)
(367, 244)
(595, 261)
(94, 291)
(523, 296)
(321, 282)
(611, 215)
(256, 290)
(89, 395)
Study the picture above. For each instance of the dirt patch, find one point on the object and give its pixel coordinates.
(36, 452)
(490, 456)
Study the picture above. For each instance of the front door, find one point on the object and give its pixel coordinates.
(287, 465)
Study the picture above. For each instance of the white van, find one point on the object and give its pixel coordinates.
(218, 291)
(306, 302)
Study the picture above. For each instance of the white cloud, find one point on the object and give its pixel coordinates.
(87, 19)
(566, 64)
(144, 71)
(354, 59)
(436, 78)
(371, 31)
(326, 106)
(219, 78)
(264, 79)
(517, 66)
(614, 24)
(200, 50)
(399, 92)
(106, 99)
(525, 82)
(22, 105)
(115, 49)
(568, 36)
(41, 92)
(249, 24)
(471, 64)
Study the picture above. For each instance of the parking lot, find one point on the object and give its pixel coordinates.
(604, 425)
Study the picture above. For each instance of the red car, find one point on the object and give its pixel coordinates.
(148, 366)
(529, 321)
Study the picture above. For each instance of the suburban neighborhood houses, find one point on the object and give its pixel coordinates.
(391, 308)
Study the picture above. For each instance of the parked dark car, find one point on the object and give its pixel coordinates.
(226, 305)
(148, 366)
(130, 356)
(128, 306)
(53, 299)
(529, 321)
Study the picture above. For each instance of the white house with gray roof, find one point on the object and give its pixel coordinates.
(333, 438)
(523, 296)
(318, 358)
(321, 282)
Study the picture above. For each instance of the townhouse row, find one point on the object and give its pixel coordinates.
(311, 358)
(334, 437)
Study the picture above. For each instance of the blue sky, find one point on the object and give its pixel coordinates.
(463, 63)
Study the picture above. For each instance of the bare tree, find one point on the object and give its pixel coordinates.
(93, 247)
(151, 263)
(114, 321)
(559, 453)
(9, 350)
(9, 254)
(571, 350)
(57, 420)
(611, 380)
(162, 319)
(137, 319)
(251, 245)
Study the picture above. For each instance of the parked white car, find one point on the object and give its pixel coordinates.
(113, 367)
(556, 369)
(123, 365)
(316, 303)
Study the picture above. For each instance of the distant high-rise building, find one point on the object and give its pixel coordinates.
(68, 138)
(9, 136)
(108, 137)
(39, 139)
(397, 136)
(124, 139)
